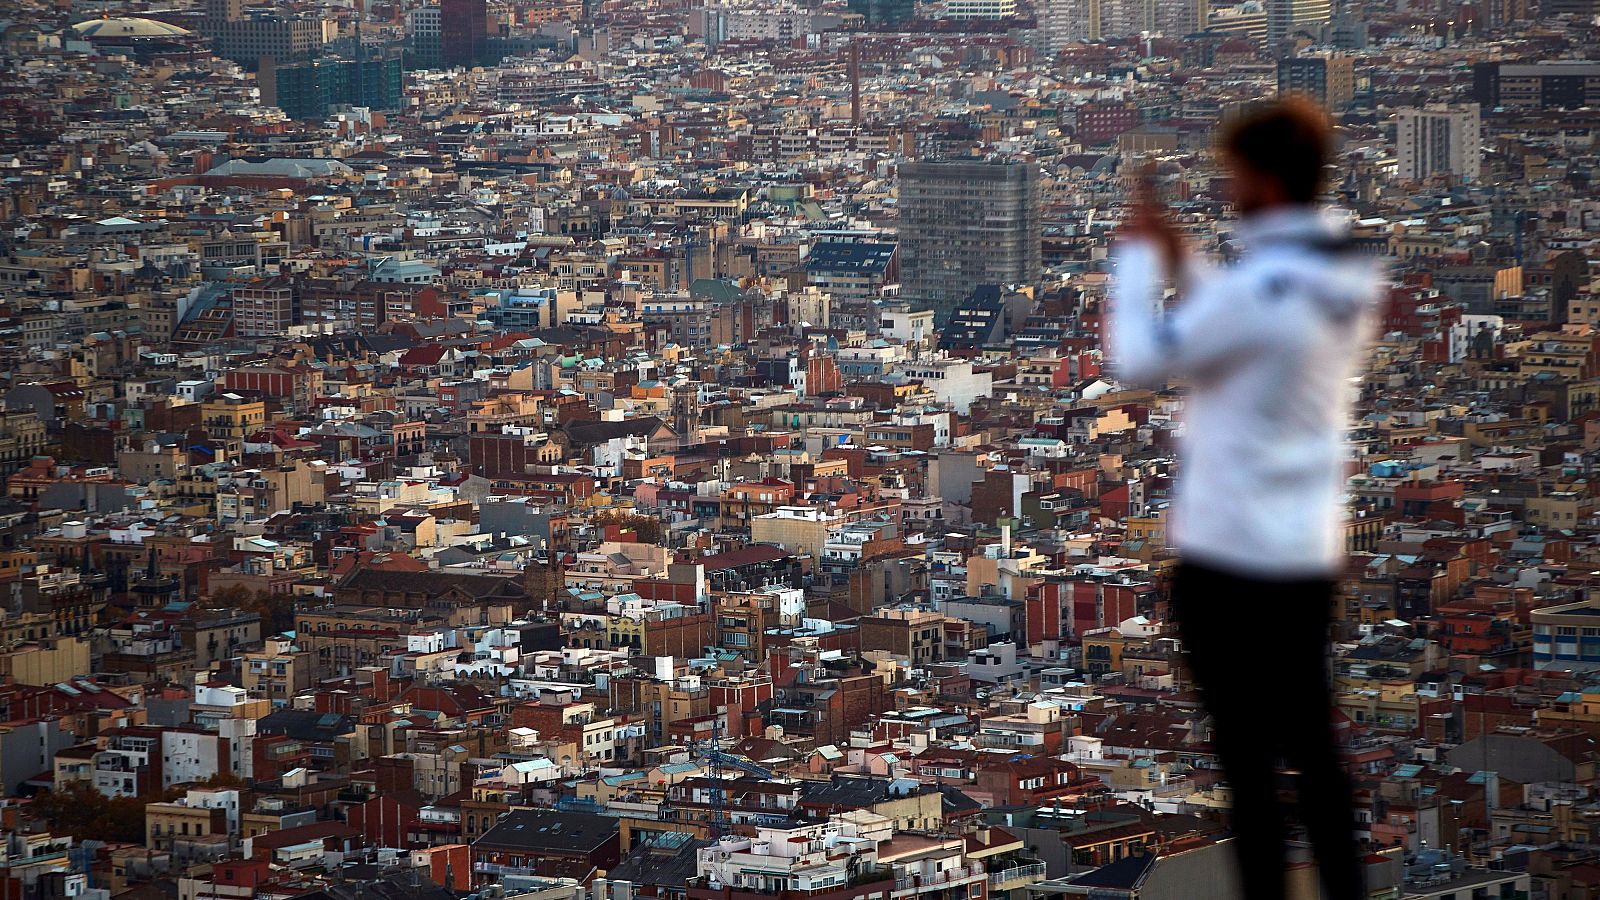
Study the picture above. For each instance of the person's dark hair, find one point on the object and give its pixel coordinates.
(1289, 140)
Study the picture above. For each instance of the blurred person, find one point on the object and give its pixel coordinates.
(1267, 346)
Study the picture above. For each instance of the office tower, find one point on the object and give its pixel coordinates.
(264, 307)
(1583, 9)
(1498, 13)
(1555, 84)
(424, 28)
(225, 10)
(1439, 139)
(719, 24)
(1061, 23)
(884, 12)
(311, 88)
(1345, 32)
(1125, 18)
(964, 223)
(1175, 18)
(1247, 20)
(1284, 17)
(980, 9)
(246, 39)
(463, 32)
(1102, 121)
(1327, 78)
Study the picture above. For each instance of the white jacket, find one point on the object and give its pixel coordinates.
(1268, 346)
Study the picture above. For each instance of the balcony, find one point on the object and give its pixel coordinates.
(860, 886)
(918, 884)
(1016, 877)
(489, 868)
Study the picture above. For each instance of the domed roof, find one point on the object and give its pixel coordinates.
(128, 27)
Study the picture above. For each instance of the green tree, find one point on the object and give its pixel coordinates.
(224, 779)
(646, 528)
(230, 597)
(276, 611)
(78, 809)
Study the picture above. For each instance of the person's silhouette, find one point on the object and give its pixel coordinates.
(1267, 347)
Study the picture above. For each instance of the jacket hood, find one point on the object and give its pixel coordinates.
(1340, 278)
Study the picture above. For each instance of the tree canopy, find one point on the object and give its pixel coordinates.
(78, 809)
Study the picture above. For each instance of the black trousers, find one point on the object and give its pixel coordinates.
(1258, 651)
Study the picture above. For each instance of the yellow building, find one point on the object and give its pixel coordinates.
(1009, 572)
(166, 822)
(231, 418)
(1561, 354)
(626, 632)
(797, 529)
(490, 415)
(1559, 509)
(1149, 529)
(1583, 715)
(14, 562)
(49, 661)
(1102, 651)
(74, 764)
(279, 670)
(1362, 533)
(1390, 705)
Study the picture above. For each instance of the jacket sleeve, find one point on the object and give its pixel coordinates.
(1215, 323)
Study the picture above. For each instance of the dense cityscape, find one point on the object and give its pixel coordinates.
(613, 449)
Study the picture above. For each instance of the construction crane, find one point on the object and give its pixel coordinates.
(711, 751)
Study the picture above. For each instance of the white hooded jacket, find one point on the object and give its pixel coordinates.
(1268, 346)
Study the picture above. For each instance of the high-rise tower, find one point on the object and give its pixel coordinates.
(1284, 17)
(463, 32)
(964, 223)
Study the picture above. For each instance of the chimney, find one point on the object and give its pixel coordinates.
(1005, 541)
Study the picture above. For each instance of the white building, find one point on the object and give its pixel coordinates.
(187, 757)
(980, 9)
(1285, 17)
(719, 24)
(240, 735)
(953, 381)
(1439, 139)
(804, 858)
(1062, 23)
(225, 799)
(995, 664)
(1470, 330)
(809, 307)
(899, 322)
(1065, 22)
